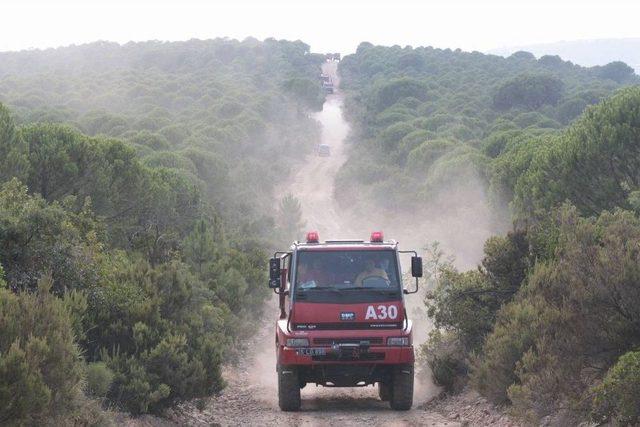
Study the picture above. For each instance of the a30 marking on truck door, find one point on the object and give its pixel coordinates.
(381, 312)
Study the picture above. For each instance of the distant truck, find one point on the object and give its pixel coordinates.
(327, 83)
(328, 87)
(343, 319)
(324, 150)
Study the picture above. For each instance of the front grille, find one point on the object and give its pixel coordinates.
(354, 357)
(346, 325)
(331, 341)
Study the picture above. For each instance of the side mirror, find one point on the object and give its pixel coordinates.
(416, 266)
(274, 273)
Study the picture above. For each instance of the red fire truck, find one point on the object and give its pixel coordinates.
(342, 320)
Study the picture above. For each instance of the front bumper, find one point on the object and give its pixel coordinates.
(376, 354)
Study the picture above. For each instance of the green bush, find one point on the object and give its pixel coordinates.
(41, 371)
(462, 303)
(445, 357)
(617, 398)
(577, 311)
(467, 303)
(493, 370)
(66, 245)
(99, 379)
(159, 334)
(3, 284)
(155, 242)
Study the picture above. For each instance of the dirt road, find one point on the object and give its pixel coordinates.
(251, 395)
(251, 399)
(314, 181)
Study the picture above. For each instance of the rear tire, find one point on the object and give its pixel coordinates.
(384, 391)
(402, 388)
(288, 389)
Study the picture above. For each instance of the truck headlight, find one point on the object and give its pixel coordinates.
(398, 341)
(297, 342)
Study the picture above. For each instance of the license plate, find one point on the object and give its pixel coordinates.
(311, 351)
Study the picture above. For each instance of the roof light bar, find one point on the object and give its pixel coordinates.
(377, 236)
(312, 237)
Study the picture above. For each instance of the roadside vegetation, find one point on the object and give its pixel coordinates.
(548, 324)
(428, 121)
(136, 212)
(137, 208)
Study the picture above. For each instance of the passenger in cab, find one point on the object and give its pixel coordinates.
(370, 270)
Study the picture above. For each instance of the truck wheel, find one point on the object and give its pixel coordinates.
(288, 389)
(402, 388)
(384, 391)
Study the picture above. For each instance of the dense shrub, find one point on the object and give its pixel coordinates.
(554, 304)
(156, 241)
(41, 370)
(39, 238)
(99, 379)
(572, 320)
(493, 372)
(467, 303)
(160, 334)
(445, 357)
(617, 398)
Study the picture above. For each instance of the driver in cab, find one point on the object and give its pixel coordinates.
(315, 274)
(370, 270)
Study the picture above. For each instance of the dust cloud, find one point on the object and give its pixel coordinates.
(313, 183)
(460, 220)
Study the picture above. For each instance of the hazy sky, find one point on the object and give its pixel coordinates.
(329, 25)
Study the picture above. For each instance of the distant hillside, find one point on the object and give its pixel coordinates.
(586, 52)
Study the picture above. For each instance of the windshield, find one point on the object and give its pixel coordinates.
(348, 276)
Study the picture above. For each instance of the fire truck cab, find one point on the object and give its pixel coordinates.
(342, 320)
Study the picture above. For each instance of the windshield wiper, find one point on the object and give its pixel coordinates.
(367, 288)
(317, 288)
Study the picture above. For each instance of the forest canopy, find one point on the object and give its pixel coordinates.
(402, 101)
(138, 203)
(136, 188)
(548, 321)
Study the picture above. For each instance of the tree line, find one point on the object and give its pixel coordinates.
(548, 323)
(136, 211)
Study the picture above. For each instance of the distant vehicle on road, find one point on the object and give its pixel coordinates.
(327, 83)
(324, 150)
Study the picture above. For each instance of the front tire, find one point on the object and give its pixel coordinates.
(402, 388)
(288, 389)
